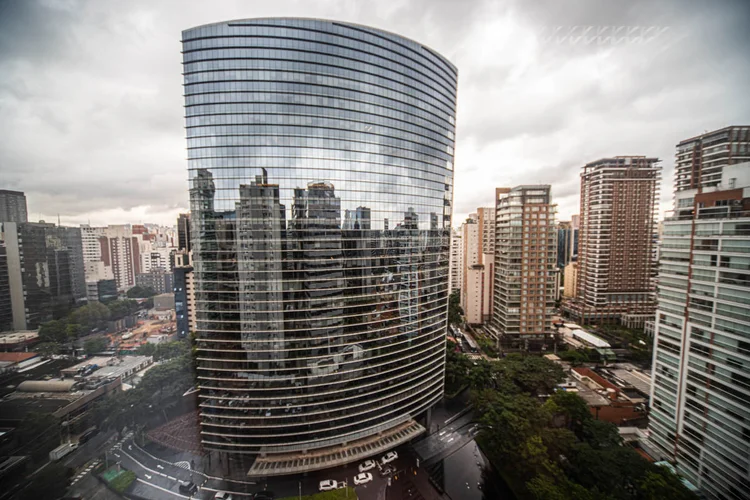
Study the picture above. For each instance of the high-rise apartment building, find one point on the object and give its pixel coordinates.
(699, 160)
(525, 265)
(478, 234)
(616, 247)
(6, 306)
(13, 206)
(321, 163)
(570, 279)
(184, 294)
(456, 261)
(120, 251)
(700, 398)
(565, 243)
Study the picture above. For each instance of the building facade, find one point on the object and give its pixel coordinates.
(525, 265)
(700, 400)
(321, 163)
(184, 294)
(570, 279)
(616, 249)
(121, 251)
(699, 160)
(478, 265)
(6, 307)
(157, 280)
(183, 232)
(567, 243)
(456, 261)
(39, 273)
(13, 206)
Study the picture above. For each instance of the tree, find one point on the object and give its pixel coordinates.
(574, 356)
(51, 482)
(140, 292)
(53, 331)
(47, 348)
(663, 484)
(73, 331)
(455, 313)
(572, 408)
(93, 346)
(90, 316)
(599, 434)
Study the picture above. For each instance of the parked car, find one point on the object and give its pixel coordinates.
(367, 465)
(187, 487)
(387, 471)
(328, 485)
(389, 457)
(362, 478)
(223, 495)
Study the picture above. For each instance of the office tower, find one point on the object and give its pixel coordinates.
(456, 260)
(478, 266)
(183, 232)
(320, 157)
(184, 294)
(120, 251)
(6, 310)
(525, 265)
(700, 397)
(616, 250)
(39, 273)
(575, 224)
(70, 239)
(700, 160)
(565, 243)
(13, 206)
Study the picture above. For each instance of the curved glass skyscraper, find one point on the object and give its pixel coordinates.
(321, 171)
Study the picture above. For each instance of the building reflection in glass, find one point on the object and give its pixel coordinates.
(320, 158)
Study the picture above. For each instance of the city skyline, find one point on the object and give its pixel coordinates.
(511, 56)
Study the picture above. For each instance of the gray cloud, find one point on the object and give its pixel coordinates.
(91, 91)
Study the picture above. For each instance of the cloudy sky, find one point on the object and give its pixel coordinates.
(91, 98)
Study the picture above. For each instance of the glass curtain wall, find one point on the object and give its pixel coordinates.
(320, 157)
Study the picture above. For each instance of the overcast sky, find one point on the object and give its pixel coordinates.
(91, 116)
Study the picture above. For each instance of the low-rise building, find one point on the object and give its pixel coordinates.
(14, 361)
(15, 341)
(164, 302)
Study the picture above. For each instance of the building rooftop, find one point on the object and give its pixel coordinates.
(18, 337)
(109, 366)
(17, 357)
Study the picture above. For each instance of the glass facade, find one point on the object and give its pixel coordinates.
(321, 182)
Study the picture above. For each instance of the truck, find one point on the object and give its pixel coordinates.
(61, 451)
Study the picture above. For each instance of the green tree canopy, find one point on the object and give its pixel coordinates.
(140, 292)
(93, 346)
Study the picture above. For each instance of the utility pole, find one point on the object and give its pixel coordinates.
(300, 490)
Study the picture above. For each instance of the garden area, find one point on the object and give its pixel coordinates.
(118, 479)
(546, 443)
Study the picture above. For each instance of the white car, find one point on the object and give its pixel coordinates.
(367, 465)
(389, 457)
(222, 495)
(328, 485)
(362, 478)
